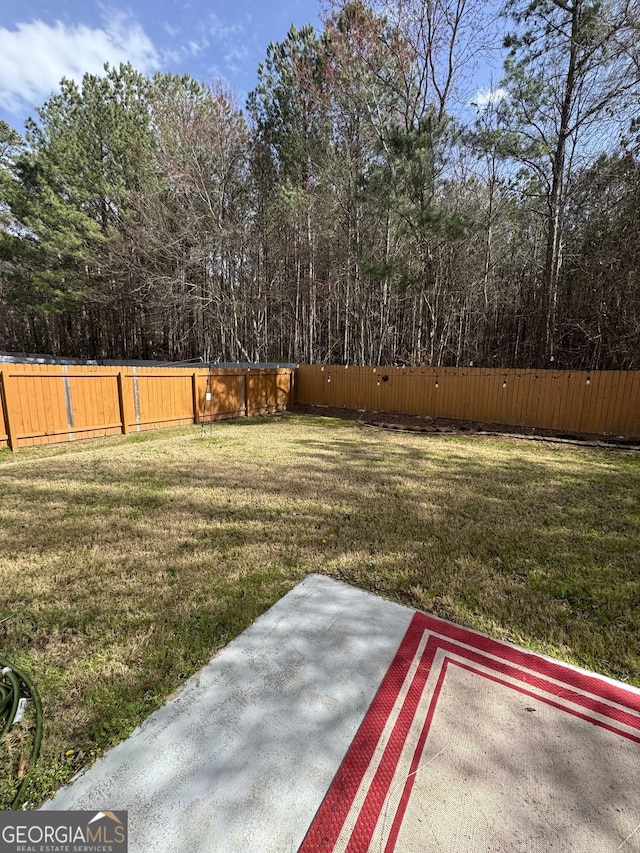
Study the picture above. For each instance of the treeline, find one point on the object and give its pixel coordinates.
(357, 210)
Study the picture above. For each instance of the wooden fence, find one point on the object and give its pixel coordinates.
(599, 402)
(42, 404)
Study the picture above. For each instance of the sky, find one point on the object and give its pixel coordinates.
(42, 41)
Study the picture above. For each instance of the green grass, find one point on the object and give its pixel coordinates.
(130, 561)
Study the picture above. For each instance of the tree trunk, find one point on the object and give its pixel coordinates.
(556, 202)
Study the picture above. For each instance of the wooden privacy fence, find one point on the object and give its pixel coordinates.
(42, 404)
(46, 403)
(598, 402)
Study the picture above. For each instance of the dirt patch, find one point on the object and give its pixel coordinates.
(448, 426)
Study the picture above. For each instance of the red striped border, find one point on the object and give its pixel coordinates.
(444, 636)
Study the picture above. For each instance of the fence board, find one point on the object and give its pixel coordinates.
(6, 439)
(595, 402)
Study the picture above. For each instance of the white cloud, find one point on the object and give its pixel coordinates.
(487, 97)
(233, 45)
(35, 56)
(220, 31)
(236, 56)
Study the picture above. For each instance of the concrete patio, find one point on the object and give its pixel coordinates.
(239, 760)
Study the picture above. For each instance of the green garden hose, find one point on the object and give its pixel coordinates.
(14, 686)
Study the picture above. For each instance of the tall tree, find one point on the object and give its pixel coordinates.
(601, 276)
(292, 132)
(569, 75)
(360, 103)
(196, 260)
(70, 192)
(11, 146)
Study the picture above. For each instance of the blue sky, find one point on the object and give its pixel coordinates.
(42, 41)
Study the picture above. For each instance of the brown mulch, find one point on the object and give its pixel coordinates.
(447, 426)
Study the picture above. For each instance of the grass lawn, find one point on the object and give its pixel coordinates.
(129, 561)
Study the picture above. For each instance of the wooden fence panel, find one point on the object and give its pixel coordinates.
(268, 391)
(228, 395)
(284, 389)
(541, 399)
(628, 423)
(220, 395)
(41, 404)
(162, 397)
(595, 402)
(257, 393)
(94, 402)
(38, 406)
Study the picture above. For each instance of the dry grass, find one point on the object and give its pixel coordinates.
(130, 561)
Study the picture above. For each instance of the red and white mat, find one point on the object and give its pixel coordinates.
(474, 745)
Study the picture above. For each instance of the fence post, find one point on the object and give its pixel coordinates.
(194, 392)
(11, 436)
(121, 400)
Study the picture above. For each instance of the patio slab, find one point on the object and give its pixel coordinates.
(242, 757)
(502, 749)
